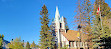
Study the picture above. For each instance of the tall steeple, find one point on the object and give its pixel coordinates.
(57, 19)
(57, 25)
(57, 15)
(62, 19)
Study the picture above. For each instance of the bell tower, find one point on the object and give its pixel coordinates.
(63, 23)
(59, 26)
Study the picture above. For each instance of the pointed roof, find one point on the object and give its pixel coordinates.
(57, 15)
(62, 19)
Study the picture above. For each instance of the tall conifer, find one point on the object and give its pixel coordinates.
(1, 40)
(27, 45)
(33, 45)
(101, 32)
(45, 34)
(16, 44)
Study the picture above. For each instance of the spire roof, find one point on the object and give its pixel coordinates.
(62, 18)
(57, 15)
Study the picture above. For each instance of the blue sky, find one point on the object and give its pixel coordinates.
(20, 18)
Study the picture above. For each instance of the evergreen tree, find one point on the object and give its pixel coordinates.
(15, 44)
(51, 38)
(100, 29)
(52, 31)
(44, 28)
(27, 45)
(1, 40)
(46, 36)
(37, 46)
(33, 45)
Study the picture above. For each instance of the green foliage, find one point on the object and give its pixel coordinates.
(37, 46)
(101, 31)
(33, 45)
(52, 38)
(91, 22)
(45, 34)
(27, 45)
(15, 44)
(1, 40)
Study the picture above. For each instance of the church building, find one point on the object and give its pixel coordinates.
(67, 38)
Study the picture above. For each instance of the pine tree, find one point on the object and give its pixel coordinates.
(1, 40)
(33, 45)
(52, 35)
(27, 45)
(44, 28)
(37, 46)
(51, 38)
(100, 29)
(46, 36)
(16, 44)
